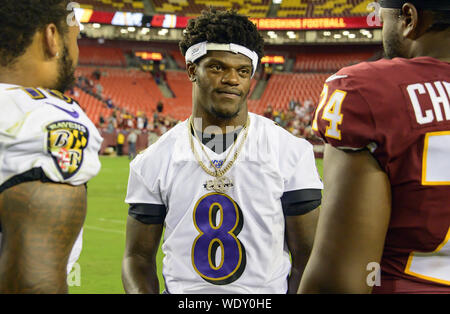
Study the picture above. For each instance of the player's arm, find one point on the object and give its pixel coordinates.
(139, 263)
(300, 232)
(40, 223)
(353, 222)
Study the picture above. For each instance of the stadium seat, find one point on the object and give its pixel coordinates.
(254, 8)
(324, 8)
(328, 62)
(284, 87)
(132, 89)
(113, 5)
(101, 56)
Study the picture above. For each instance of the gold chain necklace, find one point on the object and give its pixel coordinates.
(220, 183)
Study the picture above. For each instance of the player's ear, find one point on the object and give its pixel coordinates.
(51, 41)
(410, 21)
(191, 69)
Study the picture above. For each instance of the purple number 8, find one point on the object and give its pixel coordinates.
(214, 235)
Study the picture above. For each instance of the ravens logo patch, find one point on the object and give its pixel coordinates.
(66, 141)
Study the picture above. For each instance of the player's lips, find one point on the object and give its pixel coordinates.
(229, 92)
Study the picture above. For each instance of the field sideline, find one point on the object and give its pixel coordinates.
(104, 230)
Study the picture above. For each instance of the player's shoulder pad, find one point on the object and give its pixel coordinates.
(354, 77)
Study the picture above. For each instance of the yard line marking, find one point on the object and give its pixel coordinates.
(104, 230)
(113, 220)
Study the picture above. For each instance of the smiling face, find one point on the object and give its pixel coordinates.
(221, 84)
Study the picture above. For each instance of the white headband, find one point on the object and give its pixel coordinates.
(199, 50)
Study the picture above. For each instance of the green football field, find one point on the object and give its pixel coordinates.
(104, 230)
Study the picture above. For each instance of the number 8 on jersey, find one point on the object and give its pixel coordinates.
(214, 235)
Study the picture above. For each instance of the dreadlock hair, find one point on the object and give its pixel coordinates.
(222, 27)
(21, 19)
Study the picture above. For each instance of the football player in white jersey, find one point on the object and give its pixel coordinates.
(235, 192)
(48, 147)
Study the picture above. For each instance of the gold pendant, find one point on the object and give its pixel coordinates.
(220, 184)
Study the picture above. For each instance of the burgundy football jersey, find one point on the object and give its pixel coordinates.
(400, 110)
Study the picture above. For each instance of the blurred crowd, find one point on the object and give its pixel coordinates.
(297, 118)
(127, 130)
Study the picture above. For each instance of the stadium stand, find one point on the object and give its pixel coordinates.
(260, 8)
(254, 8)
(137, 91)
(127, 90)
(101, 56)
(284, 87)
(322, 8)
(328, 62)
(91, 105)
(130, 89)
(113, 5)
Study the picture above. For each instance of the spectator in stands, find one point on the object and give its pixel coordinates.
(145, 121)
(268, 70)
(155, 116)
(157, 76)
(268, 113)
(277, 116)
(119, 117)
(160, 107)
(112, 123)
(128, 121)
(120, 142)
(140, 120)
(96, 74)
(309, 105)
(164, 127)
(99, 90)
(153, 134)
(132, 139)
(292, 104)
(300, 111)
(101, 121)
(109, 103)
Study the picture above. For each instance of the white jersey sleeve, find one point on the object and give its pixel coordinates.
(302, 183)
(300, 168)
(45, 136)
(139, 191)
(143, 195)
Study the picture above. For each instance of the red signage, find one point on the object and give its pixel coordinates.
(272, 59)
(156, 56)
(174, 21)
(311, 23)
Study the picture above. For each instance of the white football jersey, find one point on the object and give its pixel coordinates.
(45, 135)
(232, 242)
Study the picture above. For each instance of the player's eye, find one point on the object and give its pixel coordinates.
(216, 67)
(244, 72)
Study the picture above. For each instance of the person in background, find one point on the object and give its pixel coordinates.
(120, 142)
(132, 139)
